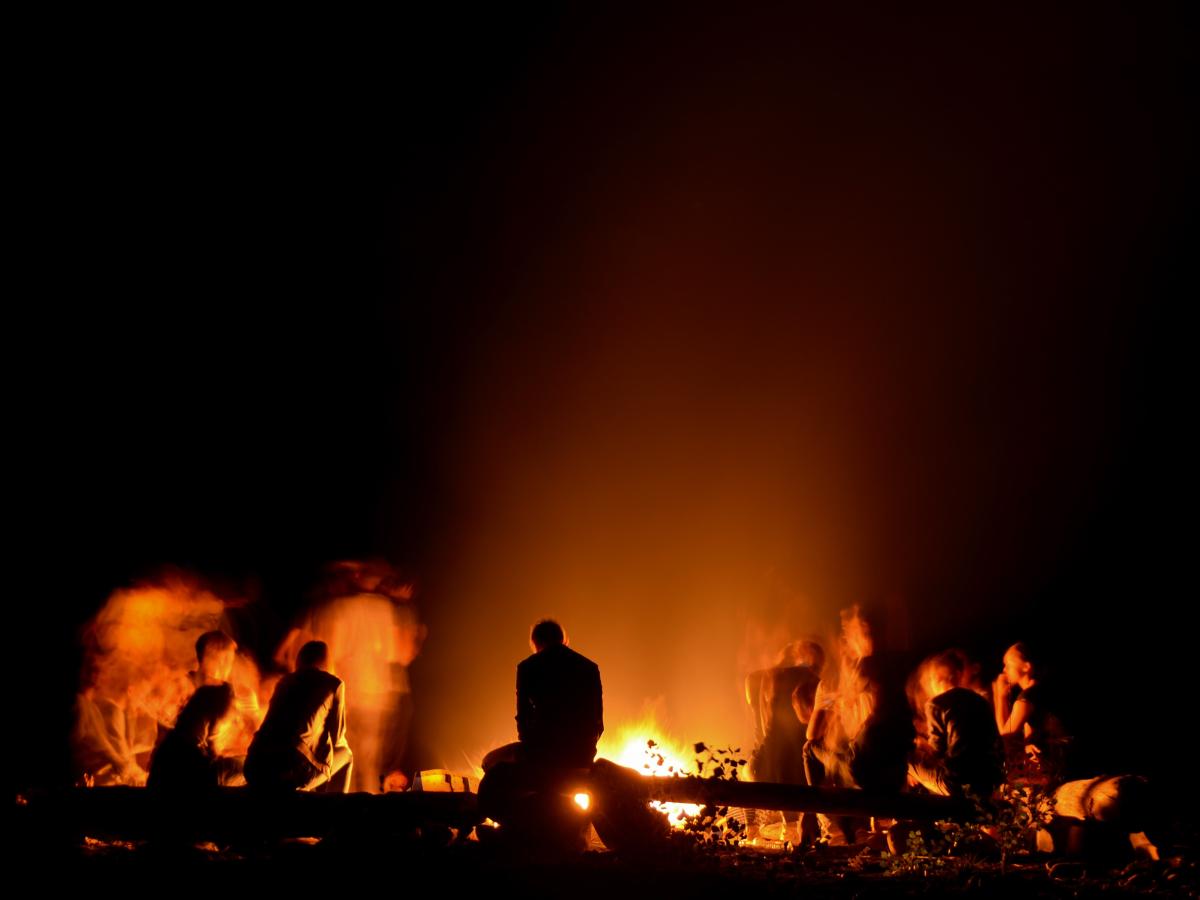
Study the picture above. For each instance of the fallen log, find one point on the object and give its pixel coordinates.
(236, 814)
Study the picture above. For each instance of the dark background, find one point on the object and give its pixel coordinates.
(684, 326)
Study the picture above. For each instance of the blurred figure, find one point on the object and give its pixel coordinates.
(111, 739)
(302, 743)
(861, 730)
(783, 698)
(139, 671)
(366, 615)
(783, 707)
(962, 750)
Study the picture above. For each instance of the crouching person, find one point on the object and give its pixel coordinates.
(191, 758)
(302, 744)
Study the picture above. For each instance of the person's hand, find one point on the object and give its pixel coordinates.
(1001, 685)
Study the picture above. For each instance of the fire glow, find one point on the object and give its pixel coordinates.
(643, 746)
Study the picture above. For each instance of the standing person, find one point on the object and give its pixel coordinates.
(302, 742)
(783, 703)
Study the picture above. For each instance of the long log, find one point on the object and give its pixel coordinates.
(232, 814)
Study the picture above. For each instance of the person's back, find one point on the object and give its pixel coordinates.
(559, 706)
(302, 740)
(299, 713)
(964, 738)
(879, 751)
(779, 758)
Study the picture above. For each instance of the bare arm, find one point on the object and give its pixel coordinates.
(1010, 717)
(802, 706)
(823, 709)
(336, 722)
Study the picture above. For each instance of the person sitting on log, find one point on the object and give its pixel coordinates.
(962, 750)
(191, 757)
(1037, 745)
(560, 706)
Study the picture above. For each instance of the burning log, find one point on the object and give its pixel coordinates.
(799, 798)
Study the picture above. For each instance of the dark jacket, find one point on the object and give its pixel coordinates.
(560, 710)
(308, 715)
(964, 739)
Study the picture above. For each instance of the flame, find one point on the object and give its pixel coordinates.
(582, 800)
(644, 746)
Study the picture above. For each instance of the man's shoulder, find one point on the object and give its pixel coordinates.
(560, 657)
(958, 700)
(314, 679)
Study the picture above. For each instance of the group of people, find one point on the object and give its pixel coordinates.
(140, 708)
(866, 723)
(300, 744)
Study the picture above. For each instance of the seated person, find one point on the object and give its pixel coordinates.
(963, 750)
(560, 707)
(1037, 744)
(302, 742)
(190, 757)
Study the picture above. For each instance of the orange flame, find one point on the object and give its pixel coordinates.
(644, 746)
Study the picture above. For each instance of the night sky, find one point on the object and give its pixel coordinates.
(685, 327)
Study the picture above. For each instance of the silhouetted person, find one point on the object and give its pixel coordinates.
(189, 759)
(560, 710)
(302, 742)
(963, 752)
(366, 614)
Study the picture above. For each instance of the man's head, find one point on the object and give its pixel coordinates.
(945, 672)
(546, 633)
(803, 653)
(313, 655)
(214, 653)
